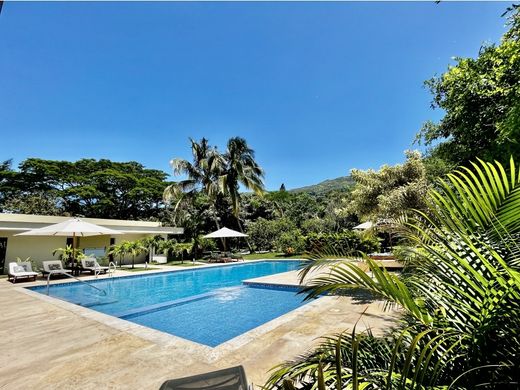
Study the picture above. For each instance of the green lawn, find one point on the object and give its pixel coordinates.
(137, 269)
(187, 263)
(271, 255)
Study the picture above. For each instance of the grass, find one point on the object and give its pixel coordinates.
(137, 269)
(187, 263)
(271, 255)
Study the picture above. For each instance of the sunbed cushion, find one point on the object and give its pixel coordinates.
(54, 267)
(25, 267)
(90, 263)
(19, 268)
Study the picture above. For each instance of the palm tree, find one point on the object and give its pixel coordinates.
(460, 297)
(119, 251)
(135, 248)
(202, 175)
(152, 244)
(240, 169)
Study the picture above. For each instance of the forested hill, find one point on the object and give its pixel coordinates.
(325, 186)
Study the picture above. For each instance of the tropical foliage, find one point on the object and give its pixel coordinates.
(384, 194)
(91, 188)
(481, 101)
(460, 297)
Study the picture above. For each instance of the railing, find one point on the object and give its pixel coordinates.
(112, 268)
(73, 277)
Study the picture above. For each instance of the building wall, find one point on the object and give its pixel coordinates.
(40, 248)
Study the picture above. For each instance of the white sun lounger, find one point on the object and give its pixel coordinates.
(91, 264)
(21, 270)
(54, 267)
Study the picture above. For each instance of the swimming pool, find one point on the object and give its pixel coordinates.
(206, 305)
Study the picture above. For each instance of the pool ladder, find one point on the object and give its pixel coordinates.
(104, 293)
(112, 269)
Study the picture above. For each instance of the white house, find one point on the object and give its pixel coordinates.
(40, 248)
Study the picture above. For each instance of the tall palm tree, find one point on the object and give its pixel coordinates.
(202, 175)
(240, 169)
(460, 298)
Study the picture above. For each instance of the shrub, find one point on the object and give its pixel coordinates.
(291, 242)
(263, 234)
(346, 243)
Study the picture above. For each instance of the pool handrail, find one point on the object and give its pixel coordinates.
(73, 277)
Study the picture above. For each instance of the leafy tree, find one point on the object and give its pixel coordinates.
(39, 203)
(315, 225)
(460, 298)
(290, 242)
(8, 182)
(88, 187)
(253, 207)
(389, 191)
(481, 100)
(301, 206)
(282, 187)
(263, 233)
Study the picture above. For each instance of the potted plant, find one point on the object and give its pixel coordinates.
(69, 255)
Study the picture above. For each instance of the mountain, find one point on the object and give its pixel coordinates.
(325, 186)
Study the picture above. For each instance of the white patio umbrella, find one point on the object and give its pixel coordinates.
(74, 227)
(364, 226)
(225, 233)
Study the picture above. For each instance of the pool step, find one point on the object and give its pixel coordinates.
(177, 302)
(87, 303)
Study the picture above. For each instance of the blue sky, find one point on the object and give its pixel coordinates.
(316, 88)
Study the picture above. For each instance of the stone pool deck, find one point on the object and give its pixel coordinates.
(52, 344)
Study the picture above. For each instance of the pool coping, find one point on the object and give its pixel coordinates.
(203, 352)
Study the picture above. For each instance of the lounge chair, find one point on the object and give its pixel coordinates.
(22, 270)
(54, 267)
(237, 257)
(90, 264)
(215, 257)
(233, 378)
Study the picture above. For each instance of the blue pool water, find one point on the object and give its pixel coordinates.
(205, 305)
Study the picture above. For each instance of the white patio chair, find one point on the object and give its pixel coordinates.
(54, 267)
(91, 264)
(21, 270)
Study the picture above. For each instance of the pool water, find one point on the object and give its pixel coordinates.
(205, 305)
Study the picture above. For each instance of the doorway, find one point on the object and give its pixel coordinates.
(3, 251)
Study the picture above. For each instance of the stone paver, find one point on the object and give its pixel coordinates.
(51, 344)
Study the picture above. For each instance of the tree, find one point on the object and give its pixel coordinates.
(282, 187)
(240, 169)
(460, 298)
(134, 249)
(263, 234)
(481, 100)
(389, 191)
(215, 175)
(119, 251)
(202, 174)
(88, 187)
(39, 203)
(152, 244)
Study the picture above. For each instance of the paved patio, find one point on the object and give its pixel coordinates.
(51, 344)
